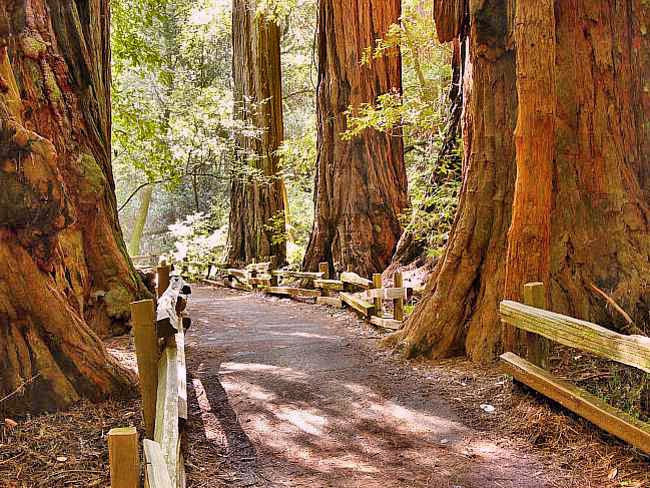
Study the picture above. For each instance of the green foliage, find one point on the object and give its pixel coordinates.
(173, 113)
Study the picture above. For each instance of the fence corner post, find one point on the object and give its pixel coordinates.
(147, 353)
(537, 346)
(123, 457)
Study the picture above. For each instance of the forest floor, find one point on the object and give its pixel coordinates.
(288, 394)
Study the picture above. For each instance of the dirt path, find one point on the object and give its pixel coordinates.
(288, 394)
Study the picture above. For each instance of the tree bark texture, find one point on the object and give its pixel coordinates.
(529, 254)
(599, 231)
(257, 215)
(64, 269)
(361, 186)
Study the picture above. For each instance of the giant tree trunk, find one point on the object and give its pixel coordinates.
(361, 186)
(63, 264)
(599, 230)
(257, 221)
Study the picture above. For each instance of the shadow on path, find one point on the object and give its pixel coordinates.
(285, 394)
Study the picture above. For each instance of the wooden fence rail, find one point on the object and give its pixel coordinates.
(160, 350)
(579, 334)
(362, 295)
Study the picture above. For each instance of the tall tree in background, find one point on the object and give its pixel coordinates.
(63, 264)
(599, 223)
(361, 185)
(257, 226)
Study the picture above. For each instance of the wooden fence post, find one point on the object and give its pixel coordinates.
(123, 457)
(398, 303)
(163, 271)
(147, 353)
(376, 283)
(538, 347)
(325, 269)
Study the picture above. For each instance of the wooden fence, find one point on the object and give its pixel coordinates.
(159, 337)
(366, 296)
(626, 349)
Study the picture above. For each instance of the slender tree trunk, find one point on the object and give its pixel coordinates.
(599, 231)
(257, 222)
(141, 221)
(64, 269)
(361, 186)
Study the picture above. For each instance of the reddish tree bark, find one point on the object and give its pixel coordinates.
(529, 240)
(257, 198)
(599, 231)
(63, 264)
(361, 186)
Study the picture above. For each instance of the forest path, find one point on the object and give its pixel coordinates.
(296, 395)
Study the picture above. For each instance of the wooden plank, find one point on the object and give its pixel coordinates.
(240, 274)
(330, 302)
(599, 413)
(259, 267)
(356, 280)
(292, 292)
(156, 468)
(240, 286)
(387, 293)
(166, 432)
(182, 374)
(364, 308)
(302, 275)
(386, 323)
(148, 354)
(334, 285)
(579, 334)
(261, 280)
(123, 457)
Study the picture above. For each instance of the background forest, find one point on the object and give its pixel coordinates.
(174, 124)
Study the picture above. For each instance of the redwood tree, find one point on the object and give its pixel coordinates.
(361, 186)
(599, 235)
(257, 197)
(63, 264)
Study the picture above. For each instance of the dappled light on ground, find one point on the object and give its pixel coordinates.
(288, 398)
